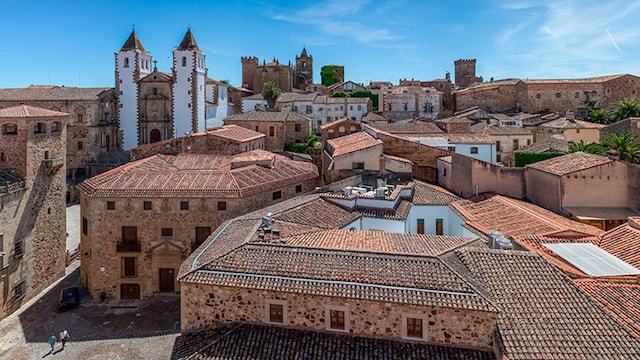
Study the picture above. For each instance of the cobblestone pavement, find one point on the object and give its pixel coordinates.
(110, 330)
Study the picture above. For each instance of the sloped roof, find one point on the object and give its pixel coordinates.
(542, 314)
(188, 43)
(26, 111)
(157, 76)
(279, 116)
(551, 144)
(516, 218)
(624, 241)
(570, 163)
(428, 194)
(253, 341)
(133, 44)
(409, 127)
(235, 132)
(483, 128)
(353, 142)
(564, 123)
(51, 93)
(198, 175)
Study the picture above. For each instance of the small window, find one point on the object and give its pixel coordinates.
(166, 232)
(17, 248)
(80, 145)
(155, 91)
(277, 195)
(538, 96)
(129, 267)
(111, 205)
(9, 129)
(444, 172)
(557, 95)
(56, 127)
(358, 166)
(184, 205)
(18, 291)
(451, 148)
(126, 62)
(439, 227)
(257, 128)
(474, 150)
(184, 61)
(576, 95)
(297, 127)
(79, 117)
(40, 128)
(414, 328)
(309, 109)
(336, 318)
(272, 131)
(146, 205)
(276, 313)
(85, 226)
(222, 205)
(516, 145)
(298, 188)
(2, 157)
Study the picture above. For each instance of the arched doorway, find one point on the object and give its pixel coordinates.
(155, 136)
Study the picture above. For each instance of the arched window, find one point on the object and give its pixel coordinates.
(184, 61)
(155, 136)
(126, 62)
(341, 129)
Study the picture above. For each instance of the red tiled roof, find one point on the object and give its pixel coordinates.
(276, 116)
(516, 218)
(26, 111)
(51, 93)
(624, 241)
(235, 132)
(620, 299)
(427, 194)
(353, 142)
(564, 123)
(570, 163)
(542, 314)
(199, 175)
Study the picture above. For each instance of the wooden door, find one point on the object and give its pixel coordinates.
(167, 280)
(130, 292)
(202, 233)
(420, 226)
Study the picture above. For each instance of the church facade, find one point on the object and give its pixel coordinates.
(286, 77)
(155, 105)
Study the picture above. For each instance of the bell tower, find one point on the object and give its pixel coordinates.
(304, 70)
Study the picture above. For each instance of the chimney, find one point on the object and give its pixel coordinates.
(570, 116)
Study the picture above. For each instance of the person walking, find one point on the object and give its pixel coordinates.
(64, 337)
(52, 342)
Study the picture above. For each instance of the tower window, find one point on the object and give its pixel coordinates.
(184, 61)
(126, 62)
(155, 91)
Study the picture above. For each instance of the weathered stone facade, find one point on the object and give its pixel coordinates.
(32, 198)
(286, 77)
(155, 107)
(279, 127)
(465, 72)
(442, 326)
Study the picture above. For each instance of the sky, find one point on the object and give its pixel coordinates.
(72, 43)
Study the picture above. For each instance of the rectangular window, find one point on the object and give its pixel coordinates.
(154, 91)
(80, 145)
(557, 95)
(277, 195)
(357, 166)
(498, 146)
(538, 96)
(17, 248)
(272, 131)
(202, 233)
(18, 291)
(2, 158)
(129, 234)
(414, 328)
(577, 95)
(129, 267)
(184, 205)
(276, 313)
(451, 148)
(85, 226)
(222, 205)
(420, 226)
(111, 205)
(515, 144)
(146, 205)
(79, 117)
(309, 109)
(439, 227)
(474, 149)
(166, 232)
(257, 128)
(336, 318)
(297, 127)
(10, 129)
(298, 189)
(40, 128)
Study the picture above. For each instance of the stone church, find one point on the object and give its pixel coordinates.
(287, 77)
(155, 105)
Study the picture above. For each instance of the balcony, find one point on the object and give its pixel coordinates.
(53, 163)
(128, 246)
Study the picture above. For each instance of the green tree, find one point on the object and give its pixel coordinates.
(369, 94)
(331, 74)
(599, 115)
(625, 145)
(624, 109)
(591, 148)
(340, 94)
(270, 92)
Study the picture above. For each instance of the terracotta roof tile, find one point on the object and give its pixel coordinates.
(198, 175)
(624, 241)
(399, 213)
(235, 132)
(26, 111)
(412, 128)
(278, 116)
(51, 93)
(564, 123)
(353, 142)
(620, 299)
(427, 194)
(570, 163)
(319, 213)
(516, 218)
(542, 314)
(483, 128)
(252, 341)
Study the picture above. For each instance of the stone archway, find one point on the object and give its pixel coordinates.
(155, 136)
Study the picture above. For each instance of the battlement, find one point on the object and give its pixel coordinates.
(249, 59)
(463, 61)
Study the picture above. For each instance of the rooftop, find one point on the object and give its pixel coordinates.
(570, 163)
(279, 116)
(353, 142)
(26, 111)
(51, 93)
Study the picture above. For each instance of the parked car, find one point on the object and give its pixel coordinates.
(69, 298)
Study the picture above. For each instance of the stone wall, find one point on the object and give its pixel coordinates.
(634, 186)
(273, 143)
(203, 306)
(101, 265)
(498, 97)
(470, 176)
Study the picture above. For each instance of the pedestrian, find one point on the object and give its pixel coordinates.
(52, 342)
(64, 336)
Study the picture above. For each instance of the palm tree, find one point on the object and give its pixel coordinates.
(591, 148)
(625, 145)
(270, 92)
(599, 115)
(624, 109)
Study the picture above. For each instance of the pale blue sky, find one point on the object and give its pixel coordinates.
(69, 42)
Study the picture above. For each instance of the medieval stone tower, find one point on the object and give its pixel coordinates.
(132, 64)
(249, 66)
(304, 70)
(189, 75)
(465, 72)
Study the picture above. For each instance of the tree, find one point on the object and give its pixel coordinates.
(599, 115)
(625, 145)
(369, 94)
(591, 148)
(340, 94)
(271, 92)
(624, 109)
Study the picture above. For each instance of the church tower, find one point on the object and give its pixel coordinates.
(132, 64)
(304, 70)
(189, 75)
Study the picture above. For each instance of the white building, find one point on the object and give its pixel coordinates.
(217, 100)
(480, 147)
(189, 74)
